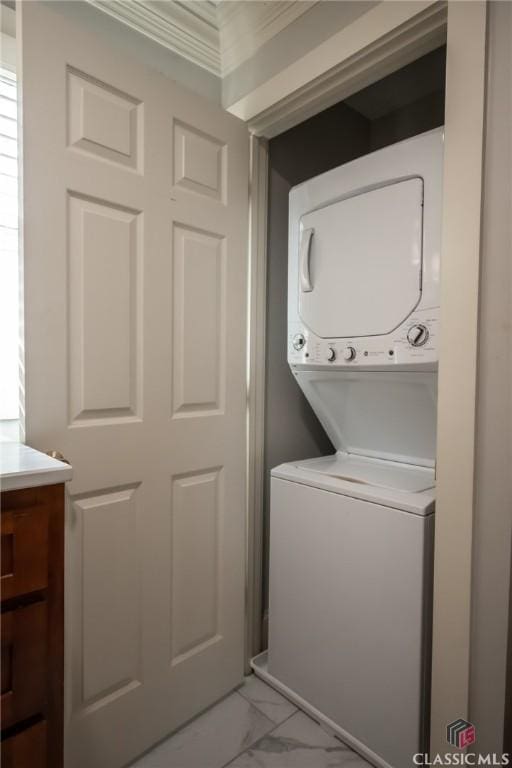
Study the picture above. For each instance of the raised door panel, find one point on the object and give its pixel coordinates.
(103, 121)
(196, 512)
(198, 321)
(199, 162)
(104, 310)
(108, 621)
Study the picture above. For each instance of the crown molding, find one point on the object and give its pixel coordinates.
(187, 28)
(246, 26)
(217, 36)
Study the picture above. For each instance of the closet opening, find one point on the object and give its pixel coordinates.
(404, 104)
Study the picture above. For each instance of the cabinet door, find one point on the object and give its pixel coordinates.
(24, 663)
(27, 749)
(24, 564)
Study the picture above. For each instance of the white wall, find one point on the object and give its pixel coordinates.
(493, 485)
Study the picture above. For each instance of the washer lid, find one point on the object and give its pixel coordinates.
(389, 415)
(403, 487)
(378, 473)
(361, 261)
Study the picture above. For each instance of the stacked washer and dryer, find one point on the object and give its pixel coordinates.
(351, 534)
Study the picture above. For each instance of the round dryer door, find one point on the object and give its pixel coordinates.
(361, 262)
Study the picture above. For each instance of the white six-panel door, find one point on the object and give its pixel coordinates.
(135, 238)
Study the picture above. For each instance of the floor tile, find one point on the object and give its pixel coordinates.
(299, 743)
(212, 739)
(266, 699)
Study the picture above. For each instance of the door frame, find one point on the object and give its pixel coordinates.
(381, 41)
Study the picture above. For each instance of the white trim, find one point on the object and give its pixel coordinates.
(376, 43)
(259, 665)
(258, 188)
(245, 27)
(188, 29)
(460, 265)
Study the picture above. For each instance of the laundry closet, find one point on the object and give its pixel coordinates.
(407, 102)
(354, 223)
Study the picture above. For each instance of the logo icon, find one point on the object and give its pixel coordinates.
(460, 733)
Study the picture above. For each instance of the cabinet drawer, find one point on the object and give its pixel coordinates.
(24, 659)
(24, 563)
(27, 749)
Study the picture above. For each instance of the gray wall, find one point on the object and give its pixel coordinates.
(420, 116)
(333, 137)
(493, 508)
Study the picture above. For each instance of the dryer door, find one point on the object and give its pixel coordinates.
(361, 261)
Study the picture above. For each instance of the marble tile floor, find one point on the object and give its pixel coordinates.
(254, 727)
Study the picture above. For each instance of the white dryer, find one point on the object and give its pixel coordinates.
(351, 535)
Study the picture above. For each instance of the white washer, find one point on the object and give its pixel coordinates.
(350, 598)
(351, 535)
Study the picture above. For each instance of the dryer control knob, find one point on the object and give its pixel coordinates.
(298, 341)
(417, 335)
(349, 353)
(331, 354)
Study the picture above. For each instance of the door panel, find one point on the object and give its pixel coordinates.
(135, 236)
(197, 500)
(199, 321)
(110, 594)
(104, 309)
(199, 162)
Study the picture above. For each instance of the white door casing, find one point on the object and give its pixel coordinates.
(135, 258)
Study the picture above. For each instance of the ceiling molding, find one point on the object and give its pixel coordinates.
(189, 29)
(246, 26)
(217, 36)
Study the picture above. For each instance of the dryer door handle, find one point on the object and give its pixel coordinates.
(305, 244)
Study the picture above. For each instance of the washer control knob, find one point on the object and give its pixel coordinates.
(331, 354)
(417, 335)
(298, 341)
(349, 353)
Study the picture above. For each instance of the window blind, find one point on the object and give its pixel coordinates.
(9, 270)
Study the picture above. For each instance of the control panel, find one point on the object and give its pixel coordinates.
(415, 341)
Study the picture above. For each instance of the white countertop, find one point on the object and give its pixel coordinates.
(23, 467)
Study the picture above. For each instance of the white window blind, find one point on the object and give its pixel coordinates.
(9, 271)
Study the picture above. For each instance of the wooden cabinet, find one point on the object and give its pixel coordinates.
(26, 748)
(32, 627)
